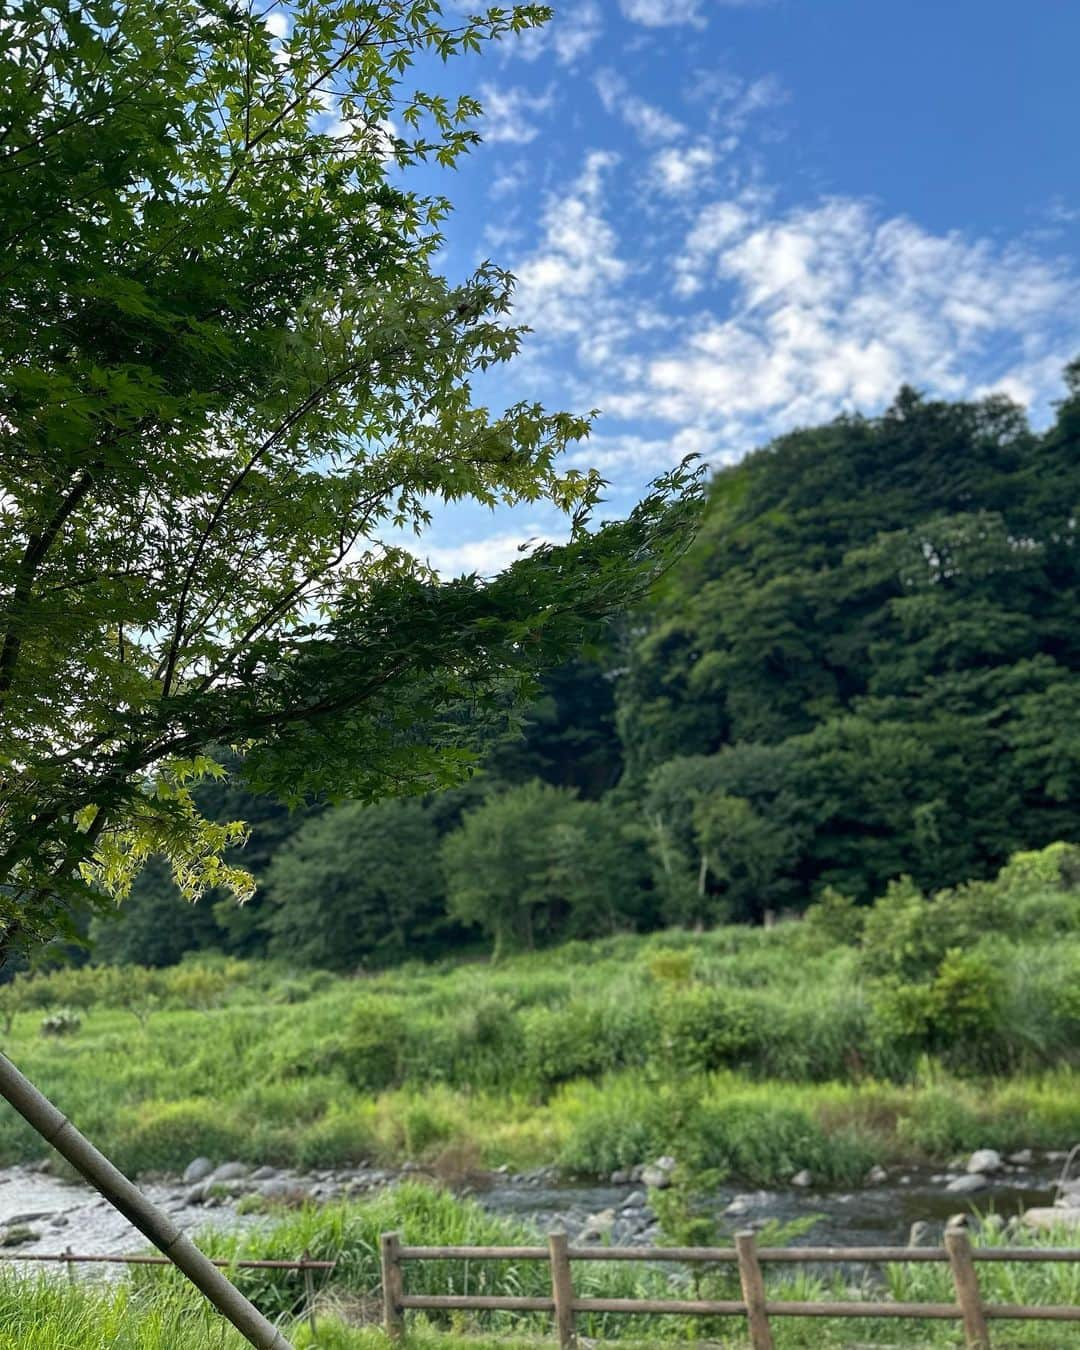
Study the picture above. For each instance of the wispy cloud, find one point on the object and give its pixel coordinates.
(651, 124)
(663, 13)
(667, 13)
(567, 286)
(798, 315)
(485, 556)
(569, 36)
(679, 170)
(508, 114)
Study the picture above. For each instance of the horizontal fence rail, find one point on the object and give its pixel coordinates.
(757, 1309)
(84, 1258)
(72, 1259)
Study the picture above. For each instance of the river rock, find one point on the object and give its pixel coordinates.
(282, 1191)
(598, 1226)
(1023, 1158)
(658, 1174)
(918, 1233)
(984, 1160)
(876, 1175)
(263, 1173)
(620, 1176)
(21, 1220)
(803, 1178)
(974, 1181)
(1044, 1218)
(17, 1235)
(198, 1170)
(635, 1200)
(230, 1171)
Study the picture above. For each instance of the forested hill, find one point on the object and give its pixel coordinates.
(866, 666)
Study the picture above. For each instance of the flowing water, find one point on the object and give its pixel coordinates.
(64, 1214)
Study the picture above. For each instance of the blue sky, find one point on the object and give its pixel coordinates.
(730, 218)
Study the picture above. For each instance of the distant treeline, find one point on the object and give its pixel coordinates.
(866, 666)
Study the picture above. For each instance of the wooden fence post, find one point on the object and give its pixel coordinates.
(753, 1291)
(976, 1332)
(562, 1291)
(393, 1285)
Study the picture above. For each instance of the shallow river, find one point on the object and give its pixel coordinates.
(65, 1214)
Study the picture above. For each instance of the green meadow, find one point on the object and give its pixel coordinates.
(914, 1029)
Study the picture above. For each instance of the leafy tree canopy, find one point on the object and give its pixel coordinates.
(533, 864)
(359, 883)
(228, 370)
(874, 643)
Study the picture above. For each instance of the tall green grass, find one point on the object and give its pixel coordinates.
(153, 1309)
(751, 1052)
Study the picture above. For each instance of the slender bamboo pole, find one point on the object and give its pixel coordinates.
(55, 1128)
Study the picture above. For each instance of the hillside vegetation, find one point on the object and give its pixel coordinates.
(916, 1027)
(867, 665)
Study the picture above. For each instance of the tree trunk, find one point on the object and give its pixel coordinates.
(58, 1131)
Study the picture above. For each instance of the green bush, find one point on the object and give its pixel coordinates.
(836, 919)
(167, 1135)
(342, 1138)
(704, 1028)
(766, 1144)
(583, 1039)
(372, 1049)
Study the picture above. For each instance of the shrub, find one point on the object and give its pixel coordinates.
(765, 1143)
(342, 1138)
(617, 1123)
(373, 1047)
(670, 967)
(836, 919)
(703, 1028)
(167, 1135)
(584, 1038)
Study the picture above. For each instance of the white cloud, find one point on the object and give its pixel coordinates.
(651, 124)
(507, 114)
(569, 36)
(485, 556)
(663, 13)
(830, 308)
(565, 287)
(509, 180)
(278, 23)
(679, 170)
(380, 137)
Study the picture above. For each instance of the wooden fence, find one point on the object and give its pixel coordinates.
(72, 1259)
(754, 1306)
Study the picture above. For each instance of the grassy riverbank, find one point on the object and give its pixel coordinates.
(918, 1029)
(154, 1310)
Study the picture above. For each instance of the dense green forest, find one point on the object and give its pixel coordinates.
(866, 667)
